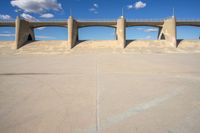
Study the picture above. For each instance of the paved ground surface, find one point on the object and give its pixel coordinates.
(99, 90)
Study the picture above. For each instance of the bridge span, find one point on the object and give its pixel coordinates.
(167, 28)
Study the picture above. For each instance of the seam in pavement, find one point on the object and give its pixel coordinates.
(97, 98)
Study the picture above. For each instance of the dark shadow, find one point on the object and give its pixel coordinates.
(178, 42)
(28, 41)
(128, 42)
(18, 74)
(79, 42)
(162, 37)
(30, 38)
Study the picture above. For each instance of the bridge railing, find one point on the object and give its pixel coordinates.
(7, 21)
(145, 20)
(188, 20)
(49, 20)
(96, 20)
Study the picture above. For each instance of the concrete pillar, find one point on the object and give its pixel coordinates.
(72, 32)
(121, 31)
(168, 31)
(24, 32)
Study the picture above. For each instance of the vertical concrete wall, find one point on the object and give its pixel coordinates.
(168, 31)
(24, 32)
(121, 31)
(72, 32)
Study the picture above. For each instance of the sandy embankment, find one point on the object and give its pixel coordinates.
(138, 46)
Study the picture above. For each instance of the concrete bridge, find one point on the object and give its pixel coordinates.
(167, 28)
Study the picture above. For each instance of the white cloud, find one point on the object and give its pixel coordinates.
(96, 5)
(47, 15)
(7, 32)
(137, 5)
(147, 30)
(139, 28)
(148, 37)
(28, 17)
(5, 17)
(130, 6)
(36, 6)
(7, 35)
(94, 8)
(45, 37)
(151, 30)
(40, 28)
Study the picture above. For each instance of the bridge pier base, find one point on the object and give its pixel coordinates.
(168, 31)
(121, 31)
(24, 32)
(72, 32)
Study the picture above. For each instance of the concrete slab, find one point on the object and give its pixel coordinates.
(104, 91)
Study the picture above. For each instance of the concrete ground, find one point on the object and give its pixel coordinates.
(103, 90)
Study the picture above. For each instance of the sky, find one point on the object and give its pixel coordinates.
(41, 10)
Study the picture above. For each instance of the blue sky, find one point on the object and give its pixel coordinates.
(99, 9)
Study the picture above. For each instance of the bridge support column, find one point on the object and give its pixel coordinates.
(121, 31)
(168, 31)
(24, 32)
(72, 32)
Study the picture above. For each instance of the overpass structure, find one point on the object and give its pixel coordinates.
(167, 28)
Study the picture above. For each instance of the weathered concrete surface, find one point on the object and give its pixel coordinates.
(24, 32)
(120, 91)
(72, 32)
(121, 31)
(168, 31)
(112, 46)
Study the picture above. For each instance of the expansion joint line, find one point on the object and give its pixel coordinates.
(97, 98)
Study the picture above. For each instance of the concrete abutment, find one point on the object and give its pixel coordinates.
(168, 31)
(72, 32)
(121, 31)
(24, 32)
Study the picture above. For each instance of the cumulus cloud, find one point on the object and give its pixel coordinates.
(130, 6)
(7, 35)
(45, 37)
(148, 37)
(28, 17)
(36, 6)
(151, 30)
(96, 5)
(137, 5)
(40, 28)
(94, 8)
(147, 30)
(5, 17)
(47, 15)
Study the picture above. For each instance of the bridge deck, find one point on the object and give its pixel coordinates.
(144, 23)
(7, 24)
(48, 23)
(102, 23)
(188, 23)
(97, 23)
